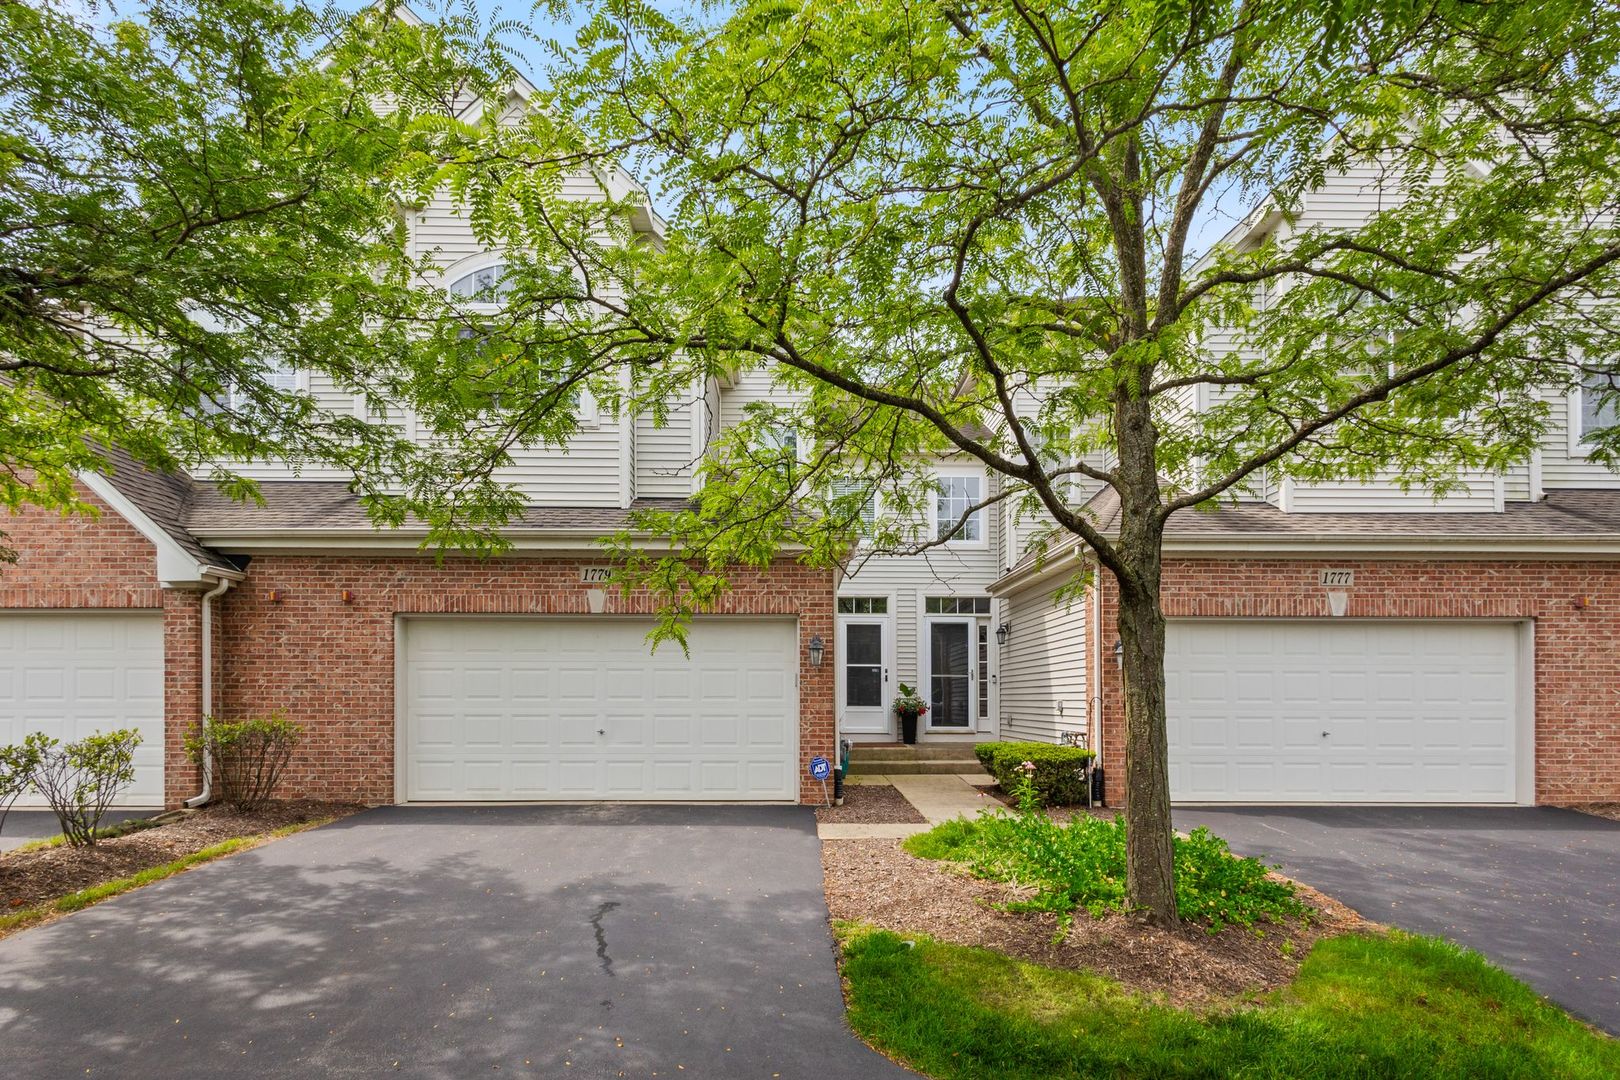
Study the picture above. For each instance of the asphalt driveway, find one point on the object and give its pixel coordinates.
(1535, 889)
(24, 826)
(593, 941)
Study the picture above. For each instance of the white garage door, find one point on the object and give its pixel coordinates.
(70, 674)
(578, 708)
(1343, 711)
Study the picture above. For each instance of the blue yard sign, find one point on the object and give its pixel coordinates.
(820, 768)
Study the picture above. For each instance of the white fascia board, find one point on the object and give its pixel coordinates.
(1419, 547)
(412, 541)
(175, 565)
(1055, 562)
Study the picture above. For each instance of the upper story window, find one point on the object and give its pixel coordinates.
(486, 285)
(957, 496)
(849, 490)
(278, 374)
(1596, 407)
(504, 388)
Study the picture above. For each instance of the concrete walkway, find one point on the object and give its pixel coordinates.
(939, 797)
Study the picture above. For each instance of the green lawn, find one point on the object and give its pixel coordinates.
(1391, 1005)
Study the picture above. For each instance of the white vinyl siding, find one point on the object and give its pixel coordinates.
(665, 455)
(1482, 496)
(1043, 665)
(1563, 463)
(958, 570)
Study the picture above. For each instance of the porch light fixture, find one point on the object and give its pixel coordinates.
(818, 649)
(1003, 632)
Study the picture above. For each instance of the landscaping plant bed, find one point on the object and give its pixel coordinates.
(1059, 814)
(1603, 810)
(34, 875)
(870, 804)
(877, 883)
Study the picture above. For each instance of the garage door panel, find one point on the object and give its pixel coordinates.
(621, 721)
(1411, 712)
(71, 674)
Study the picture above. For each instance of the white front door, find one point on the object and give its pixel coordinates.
(73, 673)
(1273, 710)
(952, 683)
(864, 688)
(533, 708)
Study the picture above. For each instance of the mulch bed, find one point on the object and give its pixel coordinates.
(32, 877)
(875, 882)
(1059, 814)
(870, 804)
(1608, 810)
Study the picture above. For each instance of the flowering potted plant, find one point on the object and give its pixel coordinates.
(908, 706)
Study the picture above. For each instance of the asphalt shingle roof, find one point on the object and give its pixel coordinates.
(294, 505)
(1569, 514)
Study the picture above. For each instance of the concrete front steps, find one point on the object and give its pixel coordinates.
(920, 759)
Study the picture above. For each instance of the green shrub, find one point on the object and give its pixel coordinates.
(17, 765)
(1080, 866)
(81, 779)
(247, 756)
(1059, 780)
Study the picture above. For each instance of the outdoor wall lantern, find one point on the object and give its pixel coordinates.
(1003, 632)
(818, 649)
(1119, 653)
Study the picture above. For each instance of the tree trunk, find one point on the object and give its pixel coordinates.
(1149, 856)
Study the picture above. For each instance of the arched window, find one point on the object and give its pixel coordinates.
(487, 284)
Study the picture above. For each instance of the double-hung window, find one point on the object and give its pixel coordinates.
(957, 514)
(1594, 406)
(485, 290)
(846, 491)
(278, 374)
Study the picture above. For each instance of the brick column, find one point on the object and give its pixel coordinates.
(182, 691)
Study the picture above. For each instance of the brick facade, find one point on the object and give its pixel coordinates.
(85, 562)
(1575, 607)
(330, 664)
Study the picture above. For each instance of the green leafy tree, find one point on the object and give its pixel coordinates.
(194, 197)
(916, 214)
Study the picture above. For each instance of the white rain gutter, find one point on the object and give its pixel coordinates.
(207, 792)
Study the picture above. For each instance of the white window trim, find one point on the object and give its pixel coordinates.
(984, 518)
(588, 416)
(877, 517)
(1578, 446)
(300, 386)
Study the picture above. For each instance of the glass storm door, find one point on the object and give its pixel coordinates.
(865, 693)
(951, 682)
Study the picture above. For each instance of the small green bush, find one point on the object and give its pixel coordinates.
(1081, 866)
(17, 765)
(247, 756)
(81, 779)
(1059, 780)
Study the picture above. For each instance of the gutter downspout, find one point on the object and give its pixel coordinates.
(1095, 704)
(207, 792)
